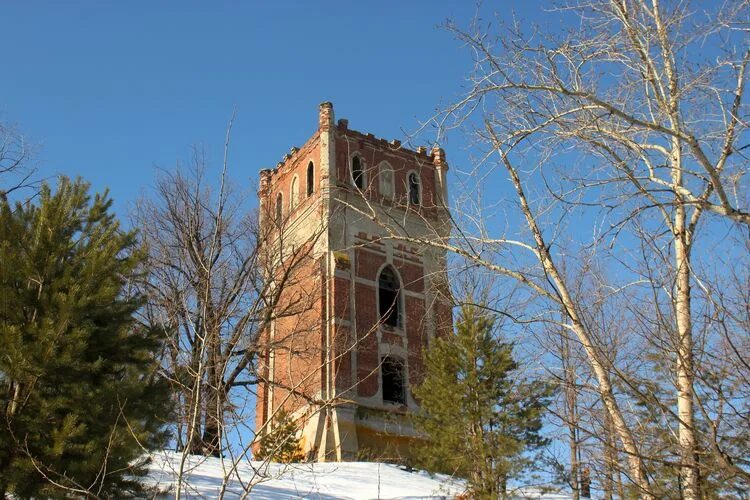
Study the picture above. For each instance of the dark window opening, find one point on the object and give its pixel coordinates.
(413, 189)
(358, 174)
(279, 208)
(310, 178)
(392, 371)
(388, 291)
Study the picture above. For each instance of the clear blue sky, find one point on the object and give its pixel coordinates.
(109, 90)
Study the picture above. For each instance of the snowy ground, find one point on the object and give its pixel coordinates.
(348, 480)
(355, 480)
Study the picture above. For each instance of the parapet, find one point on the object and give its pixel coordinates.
(326, 123)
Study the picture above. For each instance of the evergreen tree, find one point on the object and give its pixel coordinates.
(80, 397)
(481, 420)
(281, 443)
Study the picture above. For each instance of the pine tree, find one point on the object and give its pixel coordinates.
(481, 420)
(281, 443)
(80, 398)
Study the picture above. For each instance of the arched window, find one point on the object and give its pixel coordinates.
(414, 189)
(386, 180)
(392, 377)
(279, 208)
(389, 297)
(294, 193)
(310, 178)
(358, 173)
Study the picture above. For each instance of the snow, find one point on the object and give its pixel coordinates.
(343, 480)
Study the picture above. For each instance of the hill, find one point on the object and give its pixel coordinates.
(347, 480)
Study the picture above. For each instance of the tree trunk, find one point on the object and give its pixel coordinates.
(572, 416)
(610, 459)
(193, 422)
(211, 442)
(586, 483)
(214, 401)
(682, 308)
(685, 412)
(597, 361)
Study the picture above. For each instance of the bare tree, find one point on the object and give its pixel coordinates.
(663, 136)
(16, 169)
(215, 284)
(632, 124)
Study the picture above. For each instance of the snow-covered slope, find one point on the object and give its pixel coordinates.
(355, 480)
(203, 478)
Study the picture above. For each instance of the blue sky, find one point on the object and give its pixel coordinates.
(107, 91)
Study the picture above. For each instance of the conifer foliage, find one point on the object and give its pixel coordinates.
(79, 394)
(482, 420)
(281, 443)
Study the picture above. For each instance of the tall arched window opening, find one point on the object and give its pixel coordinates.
(310, 178)
(279, 208)
(358, 173)
(414, 188)
(392, 377)
(294, 193)
(389, 297)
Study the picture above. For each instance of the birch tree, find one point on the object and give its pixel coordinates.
(651, 98)
(623, 136)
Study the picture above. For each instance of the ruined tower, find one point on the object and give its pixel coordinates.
(359, 297)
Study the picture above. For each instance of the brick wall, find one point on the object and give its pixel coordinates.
(279, 179)
(374, 153)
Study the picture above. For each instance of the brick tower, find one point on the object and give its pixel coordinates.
(362, 301)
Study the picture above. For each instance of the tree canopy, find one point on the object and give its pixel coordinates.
(80, 395)
(480, 416)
